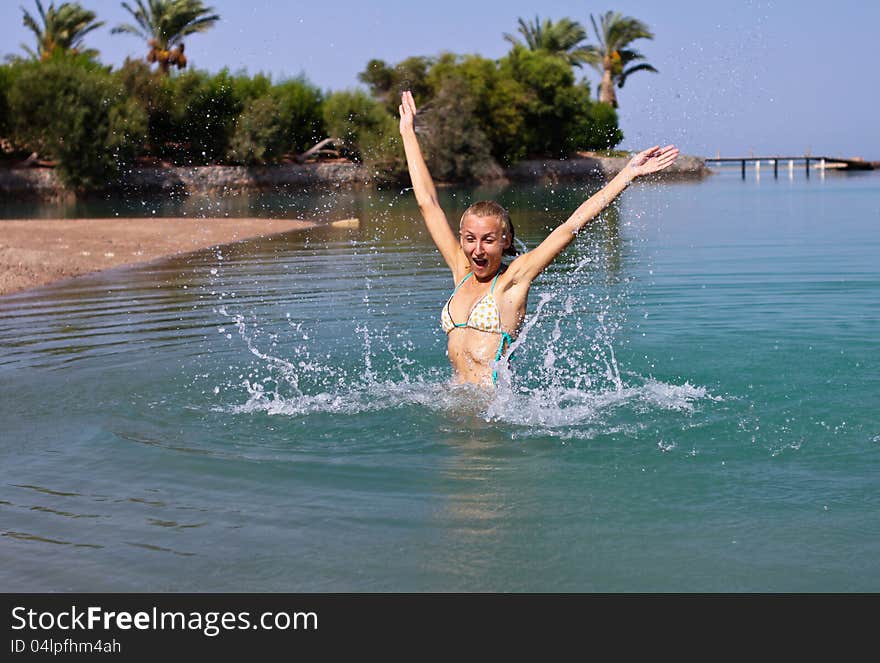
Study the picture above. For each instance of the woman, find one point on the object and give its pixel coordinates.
(487, 307)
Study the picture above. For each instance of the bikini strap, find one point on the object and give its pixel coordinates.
(492, 288)
(461, 283)
(505, 338)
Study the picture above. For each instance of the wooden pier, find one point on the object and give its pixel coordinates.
(822, 162)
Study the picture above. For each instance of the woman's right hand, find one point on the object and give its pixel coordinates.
(407, 110)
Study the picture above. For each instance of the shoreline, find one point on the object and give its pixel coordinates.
(42, 184)
(38, 252)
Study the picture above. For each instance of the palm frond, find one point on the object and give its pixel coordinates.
(27, 49)
(165, 23)
(63, 27)
(200, 25)
(564, 38)
(639, 67)
(127, 28)
(42, 13)
(599, 34)
(31, 24)
(512, 39)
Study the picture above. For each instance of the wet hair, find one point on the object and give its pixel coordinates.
(489, 208)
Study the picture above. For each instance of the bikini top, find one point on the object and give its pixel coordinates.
(484, 314)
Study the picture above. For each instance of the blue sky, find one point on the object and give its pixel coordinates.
(735, 77)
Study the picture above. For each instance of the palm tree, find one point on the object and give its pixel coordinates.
(612, 58)
(164, 24)
(62, 29)
(563, 38)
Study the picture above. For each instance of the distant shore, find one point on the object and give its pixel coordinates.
(43, 183)
(36, 252)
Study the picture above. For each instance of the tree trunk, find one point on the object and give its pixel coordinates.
(606, 88)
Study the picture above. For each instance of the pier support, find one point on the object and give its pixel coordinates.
(820, 162)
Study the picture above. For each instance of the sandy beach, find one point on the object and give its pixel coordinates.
(34, 252)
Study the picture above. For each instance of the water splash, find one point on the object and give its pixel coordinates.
(560, 377)
(566, 406)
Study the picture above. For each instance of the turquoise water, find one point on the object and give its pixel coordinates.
(692, 407)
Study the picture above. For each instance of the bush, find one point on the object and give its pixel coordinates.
(196, 112)
(247, 88)
(456, 148)
(150, 90)
(367, 131)
(259, 133)
(285, 118)
(499, 101)
(300, 106)
(527, 105)
(550, 102)
(191, 116)
(203, 113)
(602, 131)
(559, 117)
(386, 82)
(477, 113)
(79, 115)
(5, 84)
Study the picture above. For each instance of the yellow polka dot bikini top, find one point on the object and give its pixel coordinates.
(484, 315)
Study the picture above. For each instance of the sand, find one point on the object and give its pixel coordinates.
(34, 252)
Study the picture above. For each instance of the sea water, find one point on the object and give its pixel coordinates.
(691, 404)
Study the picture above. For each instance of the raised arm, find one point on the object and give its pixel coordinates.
(529, 265)
(423, 187)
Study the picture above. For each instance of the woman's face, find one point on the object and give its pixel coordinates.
(483, 242)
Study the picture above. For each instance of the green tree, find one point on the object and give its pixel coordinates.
(300, 105)
(60, 29)
(203, 112)
(525, 104)
(564, 38)
(152, 91)
(277, 119)
(5, 84)
(164, 24)
(367, 131)
(386, 82)
(600, 130)
(614, 57)
(456, 148)
(499, 100)
(259, 133)
(78, 114)
(549, 103)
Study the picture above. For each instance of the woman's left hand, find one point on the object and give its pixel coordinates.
(407, 111)
(652, 160)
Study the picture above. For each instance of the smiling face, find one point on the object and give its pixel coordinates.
(483, 240)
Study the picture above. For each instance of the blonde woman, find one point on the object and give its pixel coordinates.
(488, 305)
